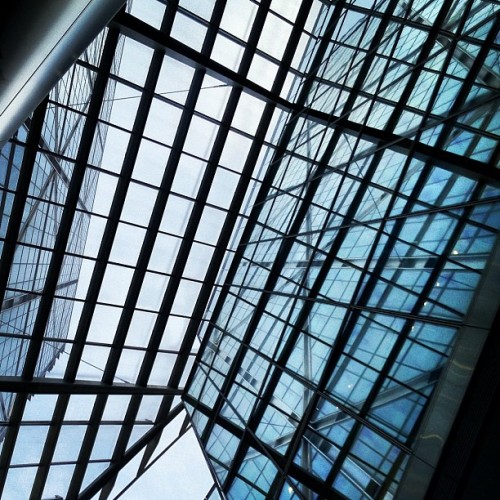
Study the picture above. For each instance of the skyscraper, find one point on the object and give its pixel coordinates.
(50, 174)
(291, 251)
(330, 363)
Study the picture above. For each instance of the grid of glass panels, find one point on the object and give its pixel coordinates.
(38, 228)
(156, 138)
(352, 293)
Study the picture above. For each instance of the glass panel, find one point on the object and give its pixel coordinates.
(19, 482)
(149, 11)
(125, 103)
(151, 162)
(58, 481)
(69, 443)
(189, 31)
(188, 176)
(29, 444)
(135, 60)
(166, 114)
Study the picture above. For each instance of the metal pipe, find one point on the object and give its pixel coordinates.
(38, 43)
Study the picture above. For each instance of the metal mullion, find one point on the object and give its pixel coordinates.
(443, 39)
(21, 194)
(150, 238)
(448, 211)
(57, 126)
(272, 365)
(188, 237)
(9, 440)
(376, 275)
(88, 74)
(245, 442)
(49, 447)
(34, 207)
(355, 307)
(366, 63)
(86, 447)
(382, 259)
(208, 462)
(143, 33)
(458, 105)
(165, 450)
(389, 63)
(417, 188)
(37, 265)
(68, 423)
(70, 135)
(129, 224)
(430, 209)
(471, 168)
(371, 52)
(63, 235)
(120, 448)
(94, 343)
(349, 411)
(66, 221)
(424, 55)
(307, 479)
(306, 455)
(221, 247)
(247, 330)
(378, 269)
(60, 127)
(145, 253)
(56, 463)
(212, 489)
(396, 19)
(350, 320)
(148, 35)
(111, 225)
(232, 103)
(480, 133)
(281, 364)
(12, 145)
(260, 408)
(446, 159)
(42, 385)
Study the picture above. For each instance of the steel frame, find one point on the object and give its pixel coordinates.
(163, 44)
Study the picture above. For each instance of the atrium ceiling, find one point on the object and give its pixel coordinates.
(139, 171)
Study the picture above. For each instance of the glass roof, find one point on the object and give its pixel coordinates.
(124, 197)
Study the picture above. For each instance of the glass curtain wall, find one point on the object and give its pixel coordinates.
(352, 294)
(179, 94)
(50, 171)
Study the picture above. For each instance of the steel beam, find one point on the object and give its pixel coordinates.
(46, 385)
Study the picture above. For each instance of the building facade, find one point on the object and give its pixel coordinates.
(48, 187)
(363, 289)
